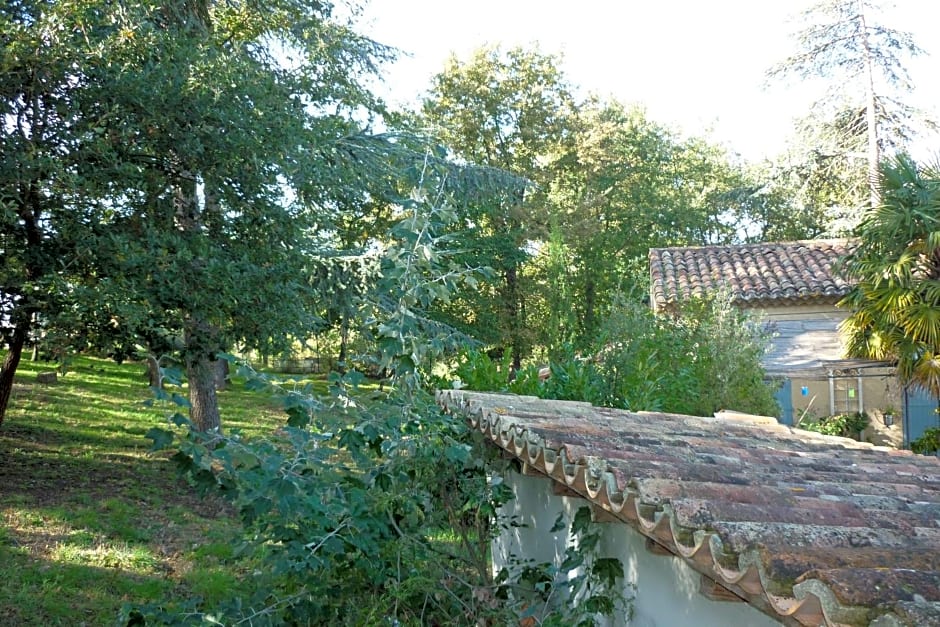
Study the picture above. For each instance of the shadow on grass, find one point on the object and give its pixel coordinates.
(20, 433)
(37, 591)
(35, 467)
(73, 556)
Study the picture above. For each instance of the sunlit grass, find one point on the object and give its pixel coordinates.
(121, 556)
(89, 518)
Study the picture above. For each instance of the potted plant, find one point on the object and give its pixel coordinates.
(888, 414)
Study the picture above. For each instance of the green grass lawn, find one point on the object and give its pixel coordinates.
(90, 518)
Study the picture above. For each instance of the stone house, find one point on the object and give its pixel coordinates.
(793, 288)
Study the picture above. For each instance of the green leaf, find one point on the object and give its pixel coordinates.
(180, 420)
(255, 385)
(457, 454)
(179, 400)
(582, 521)
(382, 481)
(572, 561)
(608, 569)
(298, 416)
(162, 438)
(351, 439)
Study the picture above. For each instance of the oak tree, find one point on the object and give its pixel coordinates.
(511, 110)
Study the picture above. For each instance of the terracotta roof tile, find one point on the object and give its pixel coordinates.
(755, 274)
(810, 529)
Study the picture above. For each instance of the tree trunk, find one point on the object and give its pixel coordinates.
(221, 374)
(590, 298)
(203, 403)
(201, 340)
(10, 363)
(512, 313)
(343, 338)
(154, 376)
(871, 115)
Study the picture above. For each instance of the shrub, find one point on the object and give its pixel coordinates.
(848, 425)
(928, 443)
(574, 378)
(477, 371)
(362, 511)
(703, 358)
(366, 510)
(526, 382)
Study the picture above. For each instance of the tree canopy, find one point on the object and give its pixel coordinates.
(608, 184)
(513, 110)
(176, 170)
(635, 185)
(50, 151)
(185, 138)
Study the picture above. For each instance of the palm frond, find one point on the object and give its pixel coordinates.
(895, 303)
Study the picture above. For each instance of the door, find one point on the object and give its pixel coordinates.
(784, 396)
(920, 413)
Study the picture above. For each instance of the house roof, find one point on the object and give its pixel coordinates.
(780, 273)
(810, 529)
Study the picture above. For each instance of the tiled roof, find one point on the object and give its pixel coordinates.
(756, 274)
(810, 529)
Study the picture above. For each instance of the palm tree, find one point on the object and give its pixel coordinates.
(896, 300)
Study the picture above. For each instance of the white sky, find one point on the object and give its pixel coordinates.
(696, 65)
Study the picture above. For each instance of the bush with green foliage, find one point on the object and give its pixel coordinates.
(928, 443)
(704, 358)
(477, 371)
(848, 425)
(574, 378)
(374, 509)
(382, 498)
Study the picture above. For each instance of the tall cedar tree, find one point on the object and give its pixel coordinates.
(863, 59)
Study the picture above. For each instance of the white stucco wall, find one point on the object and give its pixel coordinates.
(666, 589)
